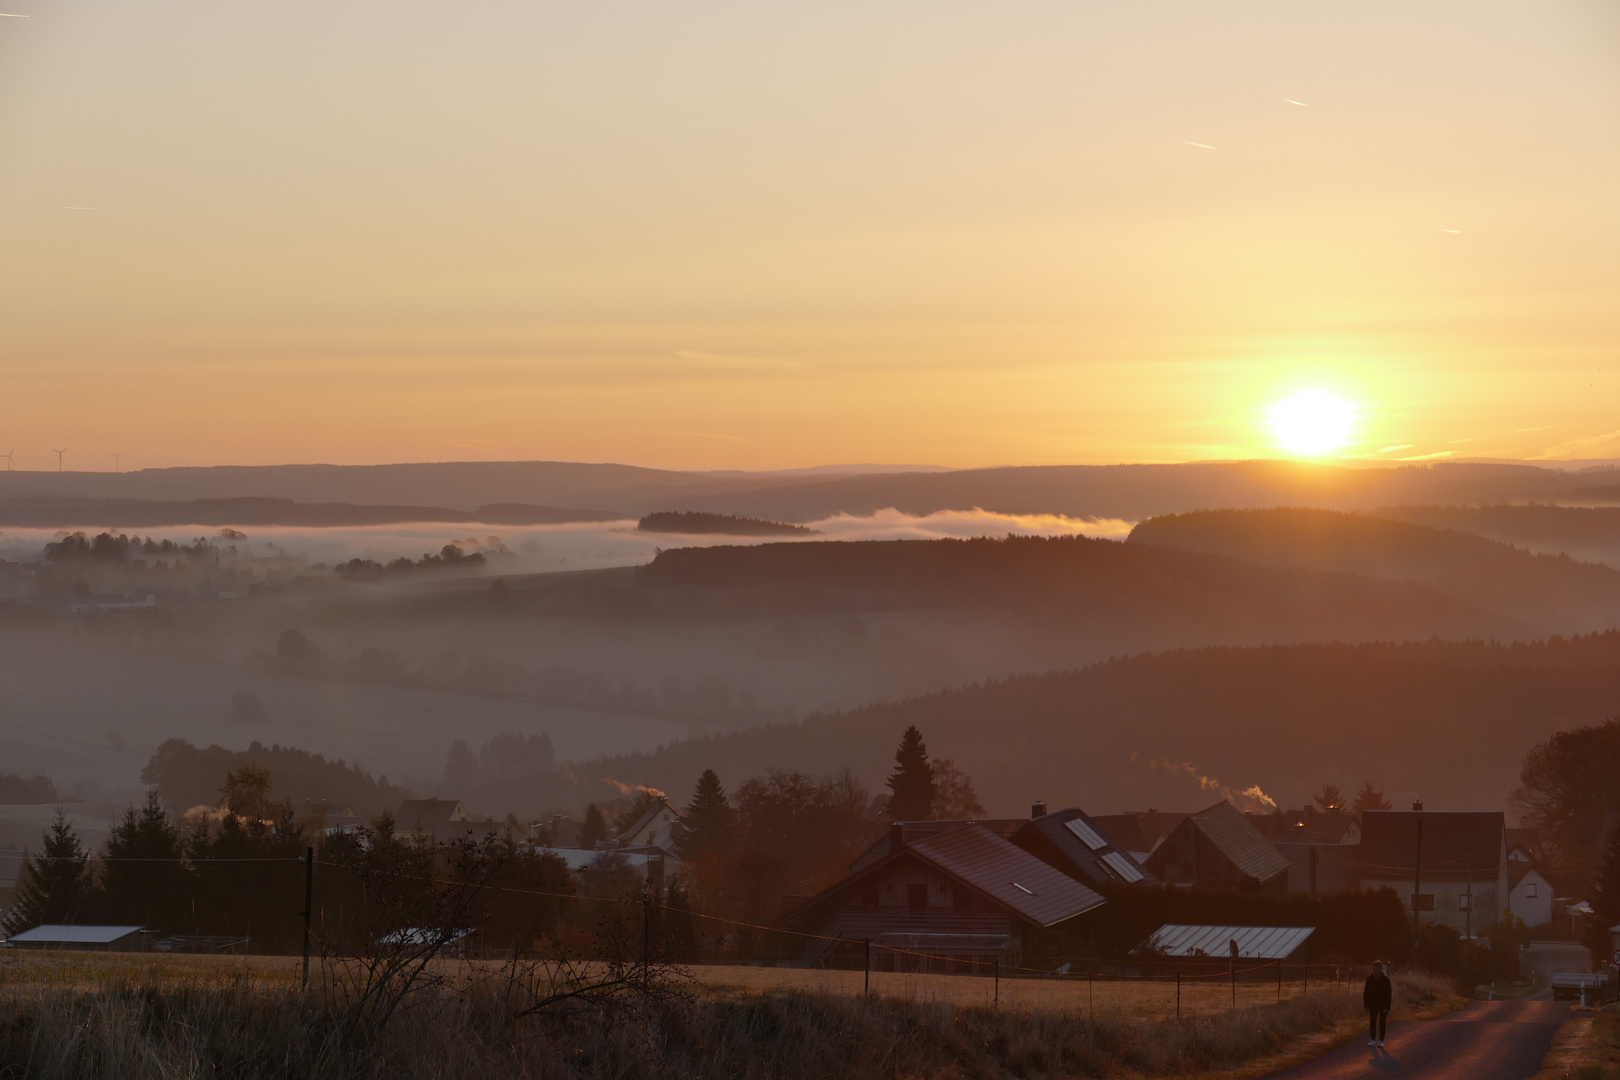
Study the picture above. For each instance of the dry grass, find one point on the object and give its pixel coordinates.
(1587, 1047)
(1135, 999)
(92, 1017)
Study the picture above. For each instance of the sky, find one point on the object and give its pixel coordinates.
(728, 235)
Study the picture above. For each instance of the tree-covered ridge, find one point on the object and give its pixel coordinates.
(699, 523)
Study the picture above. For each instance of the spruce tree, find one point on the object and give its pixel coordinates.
(912, 784)
(55, 886)
(1368, 798)
(593, 829)
(143, 880)
(709, 826)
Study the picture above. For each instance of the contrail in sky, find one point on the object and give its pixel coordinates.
(1291, 101)
(9, 15)
(1201, 146)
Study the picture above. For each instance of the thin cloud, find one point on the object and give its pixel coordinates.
(1201, 146)
(1397, 446)
(1291, 101)
(9, 15)
(721, 361)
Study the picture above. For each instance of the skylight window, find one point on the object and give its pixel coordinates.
(1088, 836)
(1023, 888)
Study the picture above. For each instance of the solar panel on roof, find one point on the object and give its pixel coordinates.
(1088, 836)
(1122, 866)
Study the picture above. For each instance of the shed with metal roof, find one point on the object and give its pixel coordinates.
(1220, 942)
(95, 938)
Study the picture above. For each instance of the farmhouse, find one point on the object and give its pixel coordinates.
(957, 899)
(1452, 866)
(1219, 848)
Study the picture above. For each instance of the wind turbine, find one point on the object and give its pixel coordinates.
(9, 463)
(116, 462)
(59, 454)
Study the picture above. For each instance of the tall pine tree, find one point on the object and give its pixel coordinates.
(143, 880)
(55, 886)
(911, 786)
(593, 829)
(709, 825)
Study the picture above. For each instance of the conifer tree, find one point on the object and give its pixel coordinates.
(1368, 798)
(55, 886)
(593, 829)
(1605, 900)
(912, 783)
(144, 881)
(709, 826)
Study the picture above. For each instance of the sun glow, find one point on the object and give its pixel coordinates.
(1312, 422)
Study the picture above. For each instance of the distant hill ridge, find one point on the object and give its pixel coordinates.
(49, 512)
(700, 524)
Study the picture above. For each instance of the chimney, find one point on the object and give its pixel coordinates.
(897, 837)
(1417, 804)
(1037, 809)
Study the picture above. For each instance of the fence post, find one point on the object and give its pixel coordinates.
(1306, 986)
(997, 1002)
(1234, 984)
(309, 905)
(1178, 993)
(1279, 982)
(866, 982)
(1091, 999)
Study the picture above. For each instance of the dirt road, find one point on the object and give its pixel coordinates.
(1488, 1040)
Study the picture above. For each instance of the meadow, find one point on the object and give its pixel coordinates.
(95, 1016)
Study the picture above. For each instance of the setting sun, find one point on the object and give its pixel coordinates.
(1312, 422)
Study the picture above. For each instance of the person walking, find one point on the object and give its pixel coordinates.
(1376, 997)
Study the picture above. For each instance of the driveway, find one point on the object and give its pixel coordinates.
(1488, 1040)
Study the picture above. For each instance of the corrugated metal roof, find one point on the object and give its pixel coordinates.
(75, 935)
(1253, 942)
(1037, 892)
(1237, 839)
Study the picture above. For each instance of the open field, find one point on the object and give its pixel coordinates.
(1140, 999)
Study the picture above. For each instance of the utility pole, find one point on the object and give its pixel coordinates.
(866, 983)
(309, 905)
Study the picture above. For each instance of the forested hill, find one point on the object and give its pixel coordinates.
(1551, 592)
(1102, 582)
(1447, 722)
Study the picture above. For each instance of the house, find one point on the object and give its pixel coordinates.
(1458, 861)
(1524, 846)
(1071, 842)
(1316, 868)
(442, 820)
(913, 831)
(956, 899)
(1223, 942)
(1217, 848)
(1138, 833)
(1307, 826)
(90, 938)
(655, 828)
(1530, 895)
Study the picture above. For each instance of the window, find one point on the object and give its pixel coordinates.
(916, 897)
(1529, 890)
(1086, 833)
(1465, 902)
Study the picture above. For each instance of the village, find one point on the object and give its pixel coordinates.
(903, 881)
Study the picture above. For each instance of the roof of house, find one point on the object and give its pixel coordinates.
(1455, 844)
(75, 935)
(985, 862)
(1085, 850)
(1528, 841)
(1253, 942)
(1518, 872)
(1225, 826)
(426, 813)
(913, 831)
(979, 858)
(1140, 831)
(657, 818)
(1307, 826)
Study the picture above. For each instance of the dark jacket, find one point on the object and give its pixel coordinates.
(1378, 993)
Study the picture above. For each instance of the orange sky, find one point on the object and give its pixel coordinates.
(737, 235)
